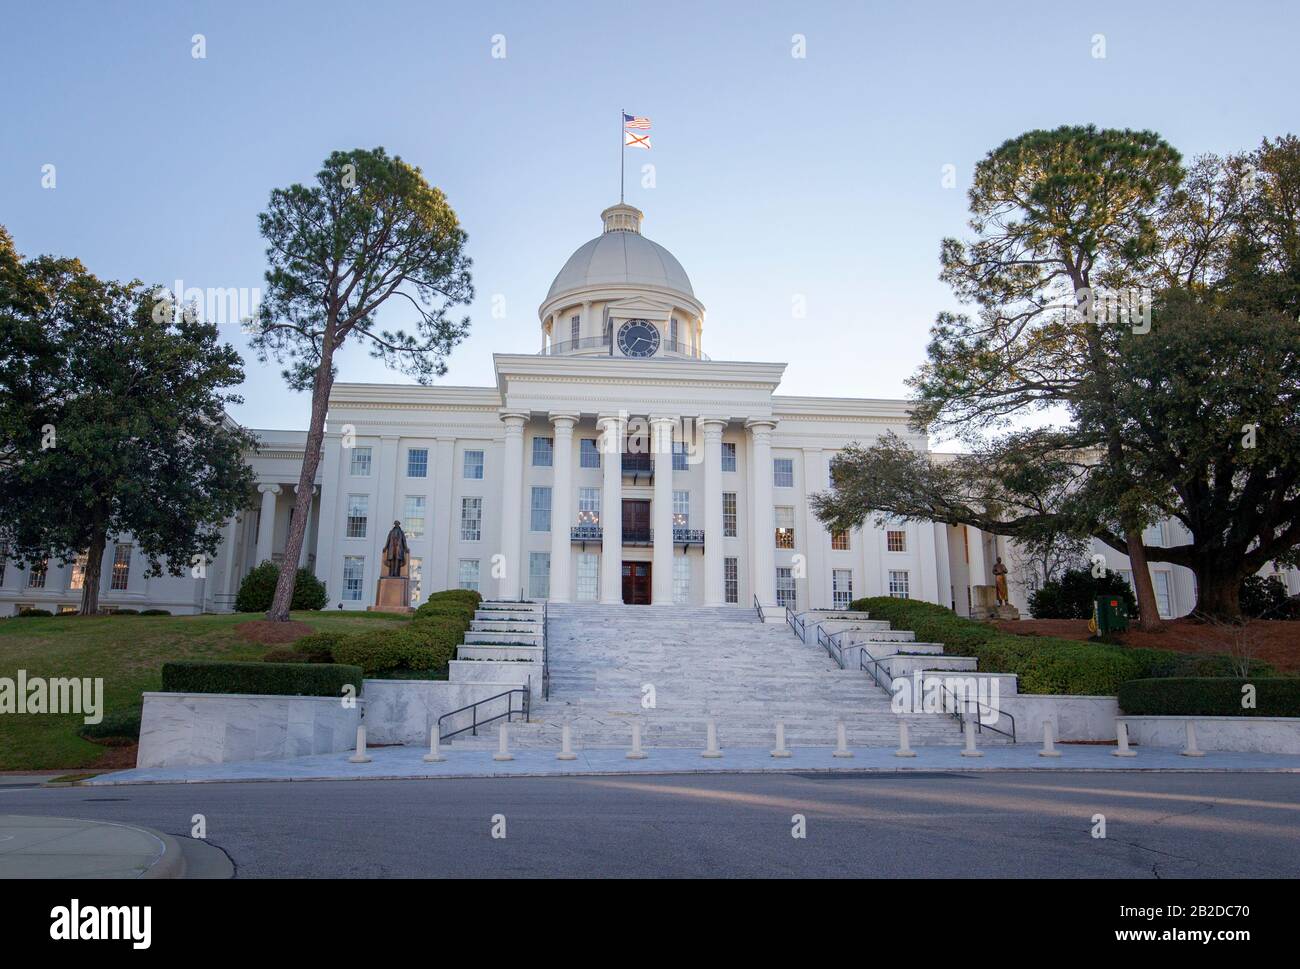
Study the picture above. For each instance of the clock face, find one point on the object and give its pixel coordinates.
(638, 338)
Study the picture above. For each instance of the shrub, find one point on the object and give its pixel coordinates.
(1210, 697)
(35, 613)
(155, 612)
(1043, 664)
(126, 612)
(1263, 598)
(258, 589)
(1071, 596)
(450, 610)
(423, 644)
(283, 654)
(318, 647)
(466, 597)
(275, 679)
(118, 723)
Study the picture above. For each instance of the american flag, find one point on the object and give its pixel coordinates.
(642, 124)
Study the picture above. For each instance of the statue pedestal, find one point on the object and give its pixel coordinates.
(393, 595)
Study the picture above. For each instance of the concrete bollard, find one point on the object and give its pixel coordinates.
(1049, 747)
(360, 756)
(636, 753)
(1192, 750)
(433, 756)
(970, 750)
(503, 746)
(904, 749)
(566, 743)
(711, 749)
(780, 749)
(841, 741)
(1121, 736)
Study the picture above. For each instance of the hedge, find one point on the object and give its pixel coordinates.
(257, 589)
(426, 644)
(1204, 696)
(275, 679)
(457, 596)
(123, 724)
(1043, 664)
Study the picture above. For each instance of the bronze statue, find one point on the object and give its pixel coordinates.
(395, 551)
(1000, 580)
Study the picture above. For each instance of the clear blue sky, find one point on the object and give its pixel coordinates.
(776, 176)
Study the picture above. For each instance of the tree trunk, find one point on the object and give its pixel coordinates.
(1218, 593)
(1148, 612)
(320, 393)
(94, 568)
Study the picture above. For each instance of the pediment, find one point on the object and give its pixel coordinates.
(640, 307)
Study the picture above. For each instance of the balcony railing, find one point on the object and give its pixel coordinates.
(669, 348)
(637, 536)
(638, 464)
(585, 533)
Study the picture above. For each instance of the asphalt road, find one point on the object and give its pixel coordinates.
(1164, 825)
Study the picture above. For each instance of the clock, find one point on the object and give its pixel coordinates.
(638, 338)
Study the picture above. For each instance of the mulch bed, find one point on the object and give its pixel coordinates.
(273, 633)
(1276, 642)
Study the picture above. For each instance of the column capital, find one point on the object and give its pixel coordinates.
(663, 419)
(514, 420)
(564, 420)
(269, 489)
(757, 424)
(708, 421)
(311, 490)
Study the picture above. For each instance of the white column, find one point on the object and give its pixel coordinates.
(512, 501)
(231, 575)
(927, 560)
(438, 570)
(760, 443)
(329, 570)
(611, 509)
(975, 545)
(266, 522)
(306, 532)
(562, 506)
(817, 541)
(661, 579)
(714, 592)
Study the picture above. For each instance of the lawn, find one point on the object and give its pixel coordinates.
(128, 652)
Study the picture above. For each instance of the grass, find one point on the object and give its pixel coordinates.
(128, 652)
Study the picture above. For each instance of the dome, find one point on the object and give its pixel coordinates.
(621, 256)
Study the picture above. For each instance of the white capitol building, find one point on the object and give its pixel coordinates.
(618, 464)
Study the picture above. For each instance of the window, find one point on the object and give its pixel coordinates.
(681, 580)
(473, 465)
(680, 462)
(541, 508)
(588, 506)
(783, 472)
(841, 588)
(731, 579)
(784, 526)
(36, 574)
(588, 576)
(681, 509)
(896, 540)
(785, 593)
(1164, 596)
(360, 462)
(358, 513)
(1154, 537)
(78, 578)
(588, 453)
(4, 560)
(543, 452)
(414, 516)
(965, 543)
(417, 462)
(414, 572)
(539, 575)
(575, 327)
(471, 519)
(1127, 576)
(899, 585)
(354, 571)
(121, 567)
(672, 331)
(728, 514)
(469, 574)
(840, 540)
(728, 456)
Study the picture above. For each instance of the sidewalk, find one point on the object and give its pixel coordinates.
(41, 847)
(406, 762)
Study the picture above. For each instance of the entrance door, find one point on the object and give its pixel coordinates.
(636, 583)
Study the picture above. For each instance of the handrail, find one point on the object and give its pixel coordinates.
(798, 625)
(546, 665)
(759, 606)
(874, 669)
(509, 714)
(833, 649)
(957, 712)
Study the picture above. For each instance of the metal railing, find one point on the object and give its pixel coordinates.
(546, 663)
(509, 713)
(833, 649)
(960, 710)
(583, 343)
(585, 533)
(873, 668)
(795, 623)
(759, 607)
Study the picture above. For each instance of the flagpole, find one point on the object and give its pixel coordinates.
(622, 161)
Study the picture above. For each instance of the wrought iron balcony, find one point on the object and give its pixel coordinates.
(585, 533)
(638, 466)
(688, 536)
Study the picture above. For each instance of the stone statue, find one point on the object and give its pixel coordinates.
(1000, 580)
(395, 551)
